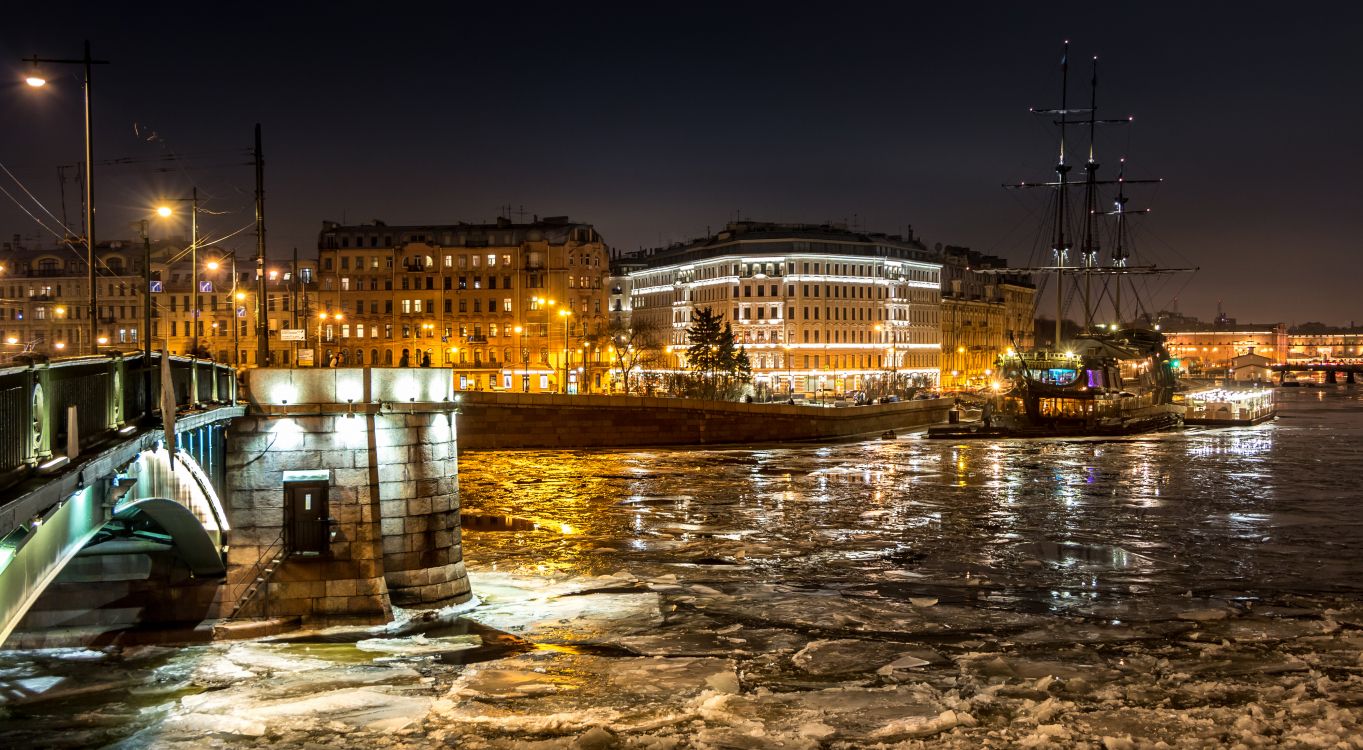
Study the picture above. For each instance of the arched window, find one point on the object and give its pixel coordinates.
(373, 356)
(388, 357)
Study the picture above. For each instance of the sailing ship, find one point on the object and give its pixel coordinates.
(1111, 378)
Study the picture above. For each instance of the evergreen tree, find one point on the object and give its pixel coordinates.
(703, 355)
(714, 354)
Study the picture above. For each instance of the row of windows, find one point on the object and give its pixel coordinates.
(424, 262)
(768, 268)
(332, 241)
(357, 283)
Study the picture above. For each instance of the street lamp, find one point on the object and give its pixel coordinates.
(165, 211)
(894, 354)
(585, 369)
(790, 379)
(525, 361)
(545, 304)
(322, 318)
(234, 297)
(36, 79)
(566, 314)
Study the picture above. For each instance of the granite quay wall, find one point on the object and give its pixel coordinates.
(517, 420)
(383, 442)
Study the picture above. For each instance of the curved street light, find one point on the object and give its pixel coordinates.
(36, 79)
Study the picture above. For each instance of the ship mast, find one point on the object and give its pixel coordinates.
(1058, 245)
(1089, 248)
(1119, 249)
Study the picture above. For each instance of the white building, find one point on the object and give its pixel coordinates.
(818, 308)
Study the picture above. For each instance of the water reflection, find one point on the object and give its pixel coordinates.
(1177, 511)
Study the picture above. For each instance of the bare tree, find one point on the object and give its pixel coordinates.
(635, 346)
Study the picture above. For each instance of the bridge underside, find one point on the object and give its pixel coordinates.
(146, 530)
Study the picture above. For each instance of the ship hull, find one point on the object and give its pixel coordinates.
(1150, 419)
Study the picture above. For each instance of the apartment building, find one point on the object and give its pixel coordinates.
(819, 308)
(506, 306)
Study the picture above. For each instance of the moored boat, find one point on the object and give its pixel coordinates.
(1229, 407)
(1111, 379)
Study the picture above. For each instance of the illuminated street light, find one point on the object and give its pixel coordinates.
(36, 79)
(233, 293)
(565, 313)
(165, 211)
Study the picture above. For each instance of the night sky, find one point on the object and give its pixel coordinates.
(655, 125)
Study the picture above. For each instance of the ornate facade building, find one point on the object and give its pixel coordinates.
(507, 306)
(819, 308)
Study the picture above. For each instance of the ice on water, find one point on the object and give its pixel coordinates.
(1113, 594)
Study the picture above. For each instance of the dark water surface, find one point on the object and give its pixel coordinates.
(1262, 511)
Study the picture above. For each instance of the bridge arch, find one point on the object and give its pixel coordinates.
(150, 504)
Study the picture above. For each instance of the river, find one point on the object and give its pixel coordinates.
(1192, 588)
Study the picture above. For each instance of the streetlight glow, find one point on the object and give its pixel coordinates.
(163, 211)
(35, 80)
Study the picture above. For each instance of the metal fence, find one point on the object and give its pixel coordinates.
(109, 393)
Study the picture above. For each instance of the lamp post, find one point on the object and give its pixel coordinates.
(790, 379)
(234, 297)
(525, 360)
(146, 318)
(893, 352)
(37, 80)
(566, 314)
(322, 318)
(165, 211)
(585, 369)
(544, 304)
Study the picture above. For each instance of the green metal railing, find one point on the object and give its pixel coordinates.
(109, 393)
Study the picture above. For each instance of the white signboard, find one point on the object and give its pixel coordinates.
(291, 334)
(305, 358)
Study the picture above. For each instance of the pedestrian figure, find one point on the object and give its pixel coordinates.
(405, 360)
(426, 359)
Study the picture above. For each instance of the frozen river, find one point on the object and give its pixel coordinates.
(1201, 588)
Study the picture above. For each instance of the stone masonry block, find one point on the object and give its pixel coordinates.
(392, 473)
(342, 587)
(420, 506)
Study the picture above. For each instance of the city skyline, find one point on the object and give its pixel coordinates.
(657, 129)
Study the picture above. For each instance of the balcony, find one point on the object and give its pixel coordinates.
(476, 338)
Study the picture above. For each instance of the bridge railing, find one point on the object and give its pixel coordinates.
(110, 394)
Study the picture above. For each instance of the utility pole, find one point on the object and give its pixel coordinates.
(262, 325)
(293, 306)
(90, 203)
(194, 273)
(146, 321)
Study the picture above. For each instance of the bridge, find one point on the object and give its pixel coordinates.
(1332, 370)
(87, 480)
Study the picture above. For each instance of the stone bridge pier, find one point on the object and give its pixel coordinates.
(344, 495)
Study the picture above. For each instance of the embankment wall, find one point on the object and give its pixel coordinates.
(510, 421)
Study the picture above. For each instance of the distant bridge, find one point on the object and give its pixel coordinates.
(84, 468)
(1332, 370)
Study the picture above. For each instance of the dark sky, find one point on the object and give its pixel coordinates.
(655, 124)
